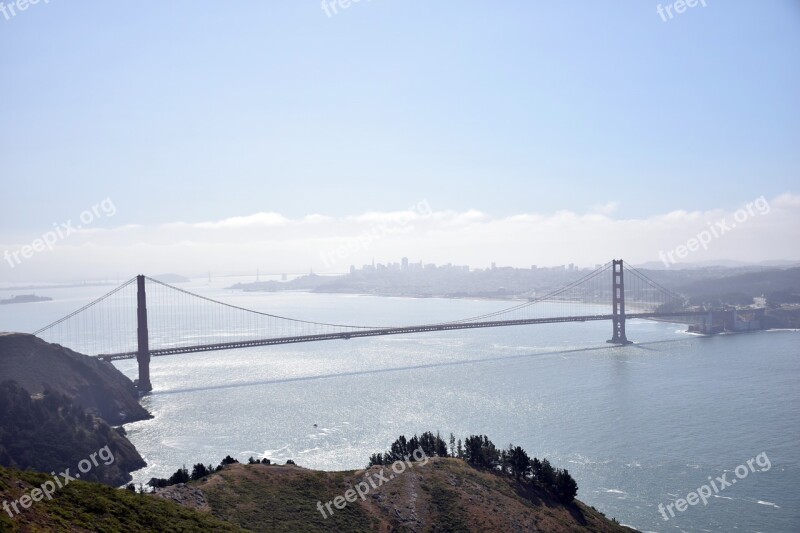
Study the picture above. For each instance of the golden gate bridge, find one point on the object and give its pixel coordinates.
(144, 318)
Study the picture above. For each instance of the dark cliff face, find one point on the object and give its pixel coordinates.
(90, 382)
(57, 408)
(50, 432)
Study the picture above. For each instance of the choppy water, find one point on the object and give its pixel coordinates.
(636, 426)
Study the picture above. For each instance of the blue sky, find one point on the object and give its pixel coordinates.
(201, 111)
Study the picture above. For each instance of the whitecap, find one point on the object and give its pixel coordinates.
(276, 451)
(768, 503)
(309, 450)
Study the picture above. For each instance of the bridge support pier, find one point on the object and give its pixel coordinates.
(143, 351)
(618, 300)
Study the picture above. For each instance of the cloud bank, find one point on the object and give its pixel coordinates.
(275, 243)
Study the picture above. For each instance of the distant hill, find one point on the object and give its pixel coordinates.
(721, 263)
(25, 299)
(777, 282)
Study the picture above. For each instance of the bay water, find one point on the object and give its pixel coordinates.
(636, 426)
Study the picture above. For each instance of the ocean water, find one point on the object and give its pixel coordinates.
(637, 426)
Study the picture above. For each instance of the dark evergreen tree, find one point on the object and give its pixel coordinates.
(180, 476)
(398, 450)
(536, 469)
(547, 475)
(158, 482)
(428, 444)
(566, 487)
(199, 471)
(480, 451)
(228, 461)
(441, 446)
(376, 459)
(519, 462)
(413, 444)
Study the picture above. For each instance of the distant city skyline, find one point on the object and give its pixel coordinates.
(325, 244)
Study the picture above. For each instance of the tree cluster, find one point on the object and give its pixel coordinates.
(199, 471)
(477, 450)
(402, 448)
(480, 452)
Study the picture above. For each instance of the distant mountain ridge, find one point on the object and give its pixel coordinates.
(749, 284)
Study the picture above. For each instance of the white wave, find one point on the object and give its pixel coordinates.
(583, 460)
(768, 503)
(317, 448)
(276, 451)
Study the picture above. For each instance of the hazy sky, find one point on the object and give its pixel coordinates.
(534, 132)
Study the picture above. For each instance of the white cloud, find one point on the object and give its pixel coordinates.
(278, 243)
(256, 220)
(788, 200)
(606, 208)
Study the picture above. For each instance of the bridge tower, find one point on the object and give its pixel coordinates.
(618, 301)
(143, 352)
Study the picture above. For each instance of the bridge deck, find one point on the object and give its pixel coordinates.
(391, 331)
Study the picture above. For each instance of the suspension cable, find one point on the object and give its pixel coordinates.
(547, 296)
(259, 312)
(85, 307)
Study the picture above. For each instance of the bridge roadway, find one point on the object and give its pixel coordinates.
(446, 326)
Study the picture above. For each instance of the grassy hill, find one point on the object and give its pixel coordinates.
(84, 506)
(445, 494)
